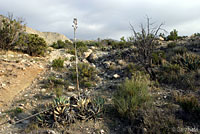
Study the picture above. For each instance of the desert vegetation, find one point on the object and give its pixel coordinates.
(141, 84)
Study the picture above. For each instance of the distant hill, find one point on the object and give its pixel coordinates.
(49, 37)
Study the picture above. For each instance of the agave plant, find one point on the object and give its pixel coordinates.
(66, 111)
(188, 60)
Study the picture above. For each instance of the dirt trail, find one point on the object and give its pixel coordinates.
(18, 71)
(14, 78)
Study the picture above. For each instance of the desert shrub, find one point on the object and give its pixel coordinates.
(58, 63)
(173, 35)
(10, 29)
(189, 61)
(87, 74)
(189, 103)
(170, 73)
(58, 91)
(145, 43)
(73, 58)
(56, 85)
(132, 95)
(56, 81)
(171, 45)
(81, 47)
(117, 44)
(14, 112)
(196, 34)
(188, 81)
(180, 50)
(157, 57)
(176, 75)
(155, 121)
(131, 68)
(71, 51)
(61, 44)
(32, 44)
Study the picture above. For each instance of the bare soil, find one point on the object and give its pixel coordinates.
(16, 74)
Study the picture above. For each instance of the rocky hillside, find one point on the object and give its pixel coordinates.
(49, 37)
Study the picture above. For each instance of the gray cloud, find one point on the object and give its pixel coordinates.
(104, 18)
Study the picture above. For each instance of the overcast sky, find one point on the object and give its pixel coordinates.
(104, 18)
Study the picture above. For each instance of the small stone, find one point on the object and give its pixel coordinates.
(116, 76)
(21, 105)
(145, 130)
(3, 85)
(51, 132)
(85, 61)
(102, 131)
(161, 38)
(71, 88)
(87, 54)
(93, 65)
(92, 58)
(121, 62)
(41, 66)
(93, 47)
(43, 90)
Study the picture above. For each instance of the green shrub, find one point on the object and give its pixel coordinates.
(132, 68)
(188, 81)
(189, 103)
(10, 29)
(180, 50)
(58, 63)
(196, 34)
(132, 95)
(61, 44)
(73, 58)
(81, 48)
(32, 44)
(170, 73)
(176, 75)
(157, 57)
(56, 81)
(171, 45)
(173, 35)
(188, 60)
(71, 51)
(87, 74)
(58, 91)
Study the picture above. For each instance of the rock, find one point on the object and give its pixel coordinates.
(87, 54)
(161, 38)
(116, 76)
(93, 65)
(22, 105)
(93, 47)
(70, 94)
(2, 85)
(107, 64)
(92, 58)
(67, 64)
(85, 61)
(122, 62)
(102, 131)
(51, 132)
(71, 88)
(43, 90)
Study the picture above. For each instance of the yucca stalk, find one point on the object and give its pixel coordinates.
(75, 27)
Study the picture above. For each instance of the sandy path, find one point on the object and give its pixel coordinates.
(14, 78)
